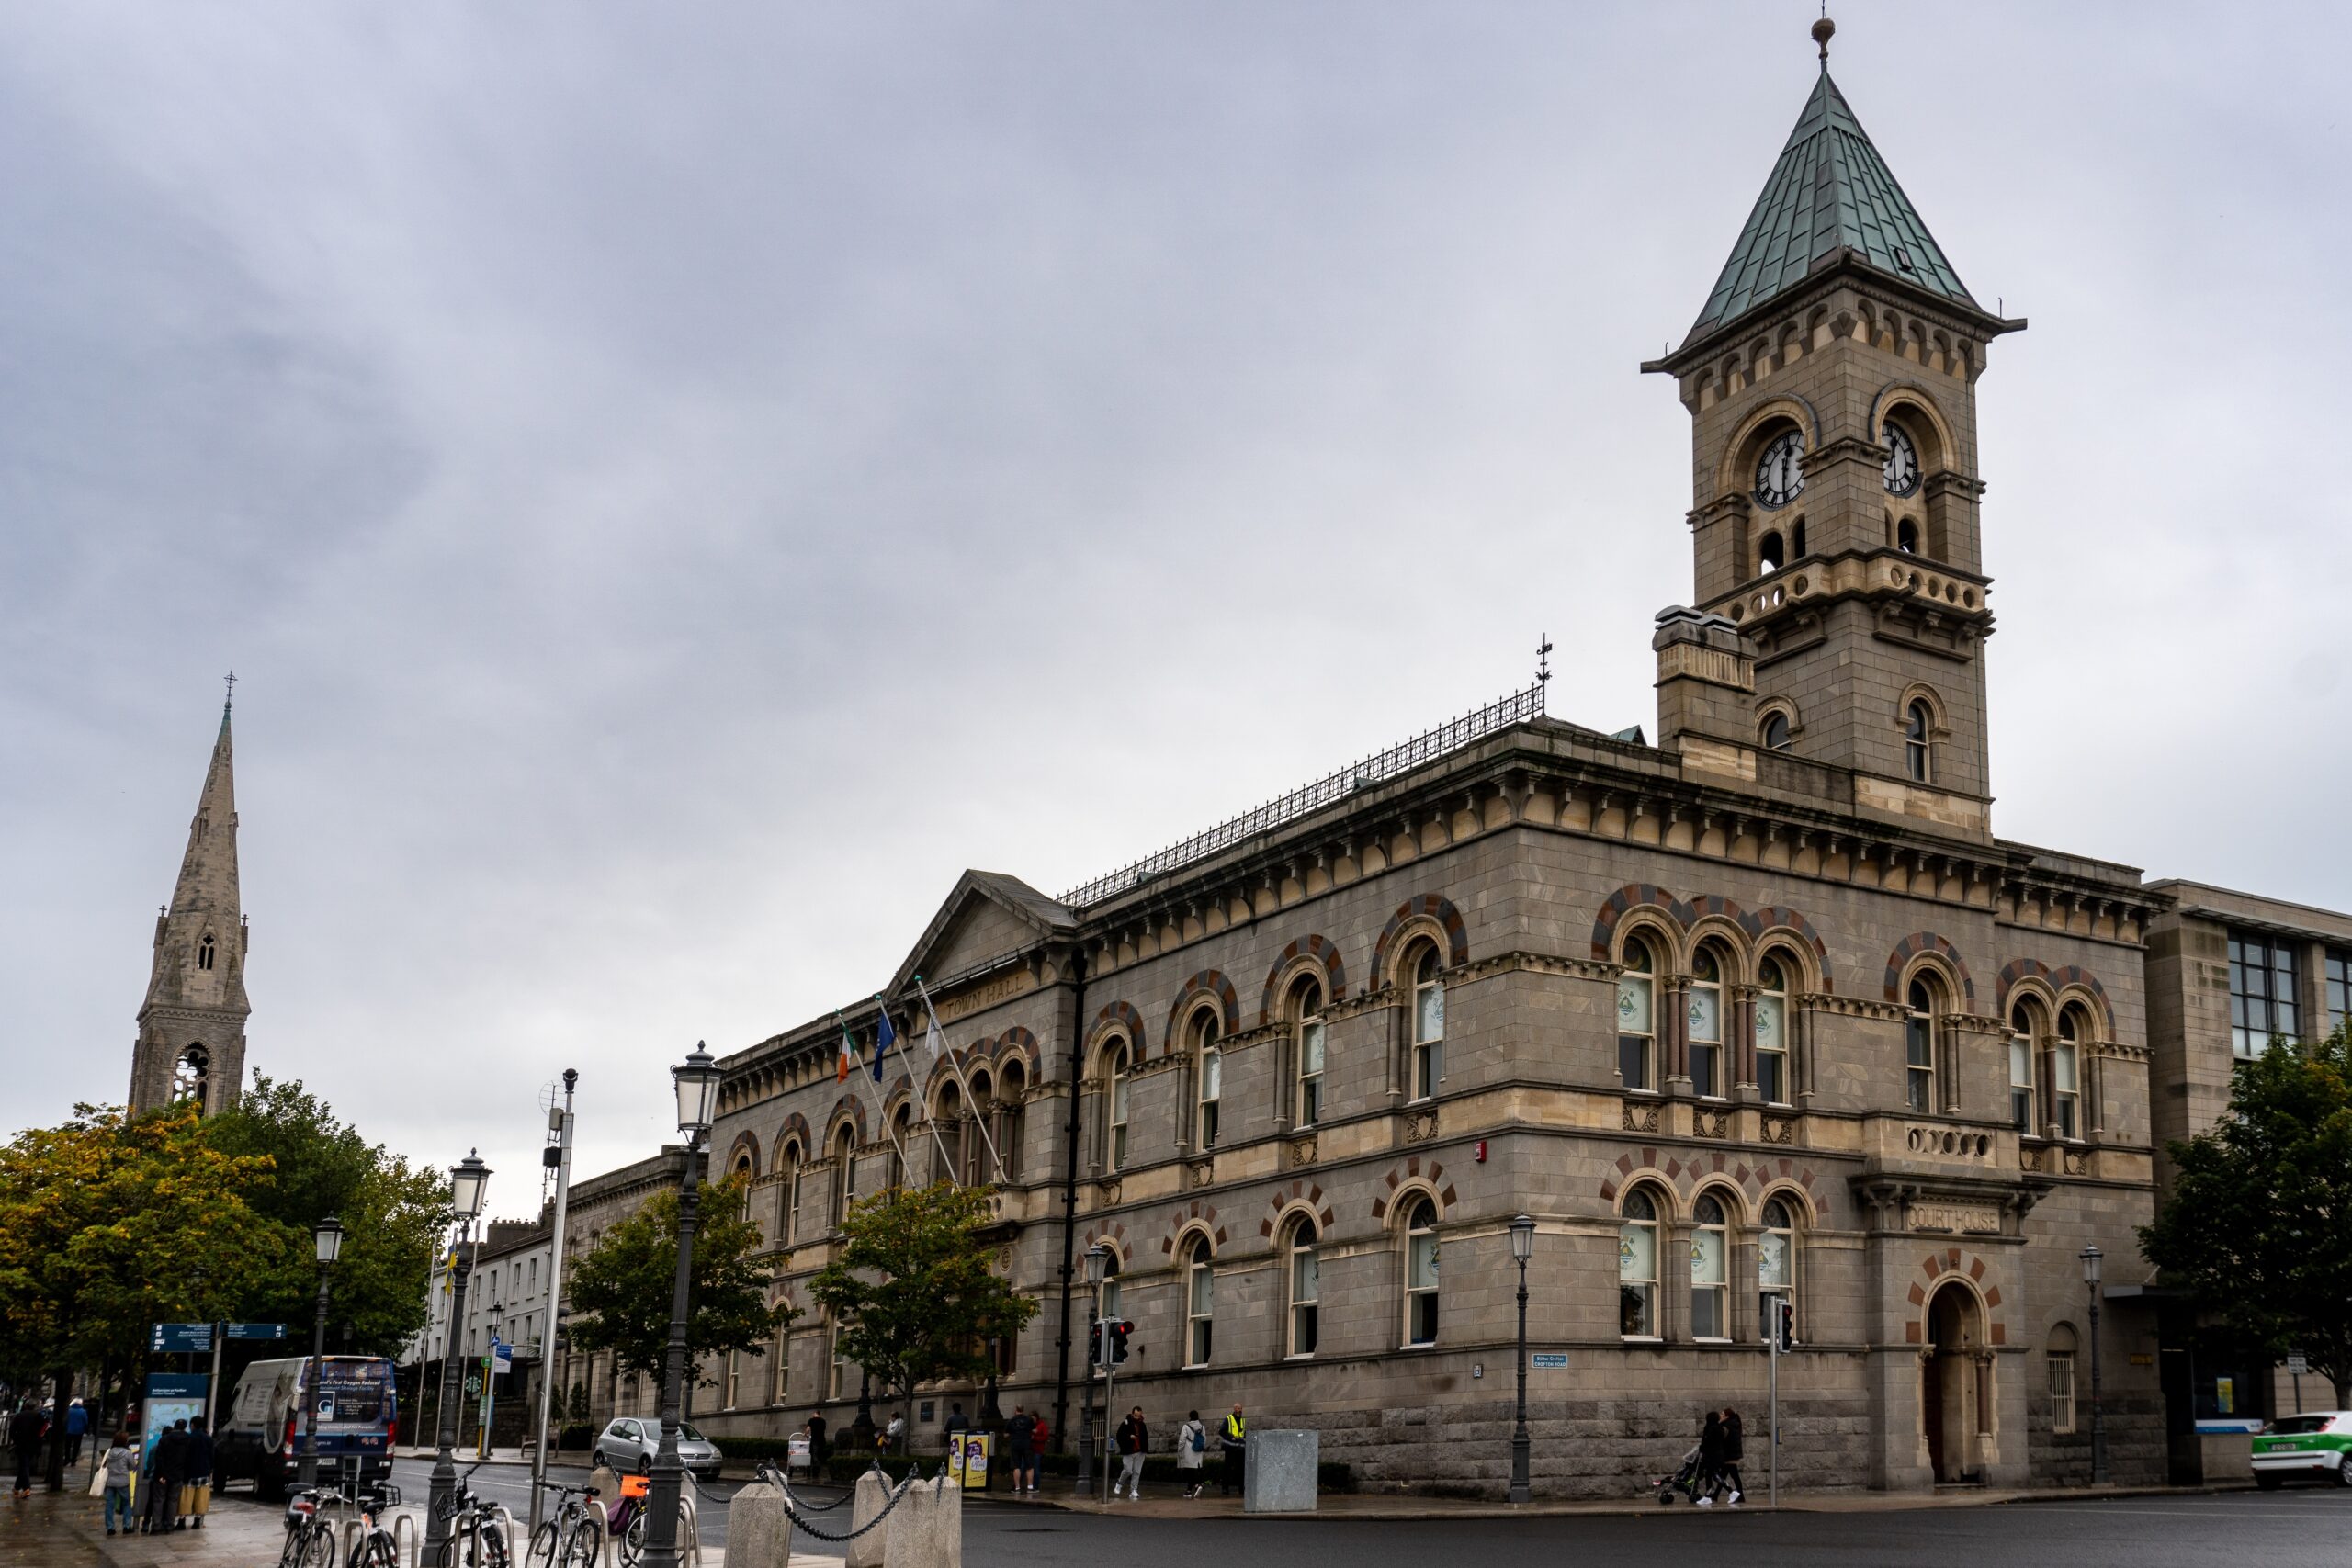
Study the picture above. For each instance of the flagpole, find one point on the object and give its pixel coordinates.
(979, 1115)
(874, 1088)
(883, 1009)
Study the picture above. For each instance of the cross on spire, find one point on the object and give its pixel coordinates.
(227, 702)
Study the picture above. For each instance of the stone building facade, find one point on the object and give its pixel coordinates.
(1765, 1008)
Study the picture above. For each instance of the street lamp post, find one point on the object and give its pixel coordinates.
(468, 1180)
(2091, 1263)
(696, 1081)
(1522, 1245)
(1097, 1268)
(328, 1237)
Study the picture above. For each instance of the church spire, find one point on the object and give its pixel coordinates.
(191, 1027)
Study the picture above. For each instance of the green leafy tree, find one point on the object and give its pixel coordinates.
(577, 1409)
(109, 1224)
(392, 1214)
(620, 1289)
(2259, 1223)
(913, 1290)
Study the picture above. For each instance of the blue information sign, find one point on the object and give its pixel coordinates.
(256, 1331)
(181, 1339)
(1551, 1360)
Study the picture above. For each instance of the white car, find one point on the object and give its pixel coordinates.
(628, 1444)
(2316, 1444)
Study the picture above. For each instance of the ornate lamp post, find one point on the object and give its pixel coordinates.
(468, 1181)
(1522, 1246)
(1097, 1268)
(327, 1235)
(2091, 1263)
(696, 1080)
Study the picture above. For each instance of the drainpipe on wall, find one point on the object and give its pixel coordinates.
(1070, 1188)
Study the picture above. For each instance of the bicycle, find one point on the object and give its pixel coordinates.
(309, 1539)
(378, 1547)
(572, 1538)
(629, 1515)
(470, 1544)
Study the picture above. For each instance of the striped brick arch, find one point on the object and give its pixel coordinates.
(1299, 1192)
(796, 1126)
(1917, 942)
(850, 1109)
(1411, 1171)
(1124, 1016)
(1195, 1215)
(1214, 986)
(1635, 896)
(1321, 949)
(2058, 979)
(1019, 1042)
(1113, 1236)
(1752, 1180)
(1933, 1268)
(746, 1143)
(1436, 908)
(1779, 917)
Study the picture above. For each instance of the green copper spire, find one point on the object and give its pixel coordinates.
(1830, 191)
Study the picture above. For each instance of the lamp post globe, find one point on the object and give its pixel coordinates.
(696, 1081)
(469, 1184)
(2092, 1263)
(327, 1237)
(1522, 1247)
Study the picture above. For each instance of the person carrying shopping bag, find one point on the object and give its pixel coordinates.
(115, 1469)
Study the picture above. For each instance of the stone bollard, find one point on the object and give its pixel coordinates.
(1283, 1472)
(926, 1530)
(866, 1551)
(759, 1532)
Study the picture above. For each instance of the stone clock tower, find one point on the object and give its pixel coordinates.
(1831, 380)
(192, 1025)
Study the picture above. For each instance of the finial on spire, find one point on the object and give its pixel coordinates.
(1822, 30)
(227, 702)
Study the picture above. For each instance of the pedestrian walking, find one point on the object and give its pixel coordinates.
(25, 1433)
(894, 1436)
(819, 1449)
(1233, 1443)
(163, 1474)
(1710, 1460)
(1191, 1448)
(195, 1492)
(1021, 1449)
(117, 1465)
(77, 1422)
(957, 1422)
(1134, 1441)
(1733, 1442)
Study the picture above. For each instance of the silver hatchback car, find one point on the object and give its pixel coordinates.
(628, 1444)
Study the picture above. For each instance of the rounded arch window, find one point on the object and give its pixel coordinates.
(1775, 733)
(1919, 728)
(1705, 1013)
(1769, 555)
(1200, 1303)
(2058, 1373)
(1113, 1309)
(204, 952)
(1776, 1258)
(2065, 1071)
(1303, 1278)
(1906, 537)
(1710, 1269)
(1208, 1077)
(902, 1124)
(1637, 1015)
(1428, 1023)
(1117, 1068)
(1920, 1043)
(1772, 1028)
(1012, 1117)
(844, 1172)
(788, 1164)
(1637, 1266)
(1306, 1022)
(1421, 1271)
(192, 1078)
(2025, 1029)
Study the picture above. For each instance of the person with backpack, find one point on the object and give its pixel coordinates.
(1021, 1449)
(1191, 1449)
(1134, 1441)
(1232, 1442)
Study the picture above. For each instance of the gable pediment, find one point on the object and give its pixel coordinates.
(988, 918)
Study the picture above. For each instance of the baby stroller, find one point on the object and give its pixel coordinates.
(1685, 1480)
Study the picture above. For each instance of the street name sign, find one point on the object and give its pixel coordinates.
(256, 1331)
(180, 1338)
(1549, 1361)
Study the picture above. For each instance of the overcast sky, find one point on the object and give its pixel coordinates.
(678, 485)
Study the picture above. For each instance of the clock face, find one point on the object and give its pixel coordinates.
(1902, 462)
(1779, 473)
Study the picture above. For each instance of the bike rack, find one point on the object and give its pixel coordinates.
(413, 1552)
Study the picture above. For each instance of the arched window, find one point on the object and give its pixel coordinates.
(1208, 1077)
(2023, 1020)
(1776, 1259)
(1917, 722)
(976, 1166)
(2059, 1372)
(844, 1173)
(1773, 1029)
(1429, 1023)
(788, 1166)
(1420, 1272)
(204, 952)
(1796, 540)
(1307, 1015)
(2065, 1068)
(1768, 554)
(1636, 1025)
(1637, 1267)
(1305, 1278)
(1113, 1307)
(1775, 734)
(734, 1380)
(741, 1165)
(1919, 1046)
(192, 1078)
(902, 1131)
(780, 1375)
(1906, 537)
(1116, 1070)
(1706, 1017)
(1011, 1118)
(1710, 1269)
(836, 1364)
(1200, 1303)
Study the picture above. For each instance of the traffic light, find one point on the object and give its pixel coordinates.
(1094, 1343)
(1784, 1323)
(1120, 1329)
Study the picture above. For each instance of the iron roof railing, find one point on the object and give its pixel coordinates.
(1402, 757)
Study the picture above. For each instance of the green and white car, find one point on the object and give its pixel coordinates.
(2317, 1444)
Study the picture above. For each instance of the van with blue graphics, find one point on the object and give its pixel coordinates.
(260, 1434)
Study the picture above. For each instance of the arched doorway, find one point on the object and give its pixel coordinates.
(1955, 1386)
